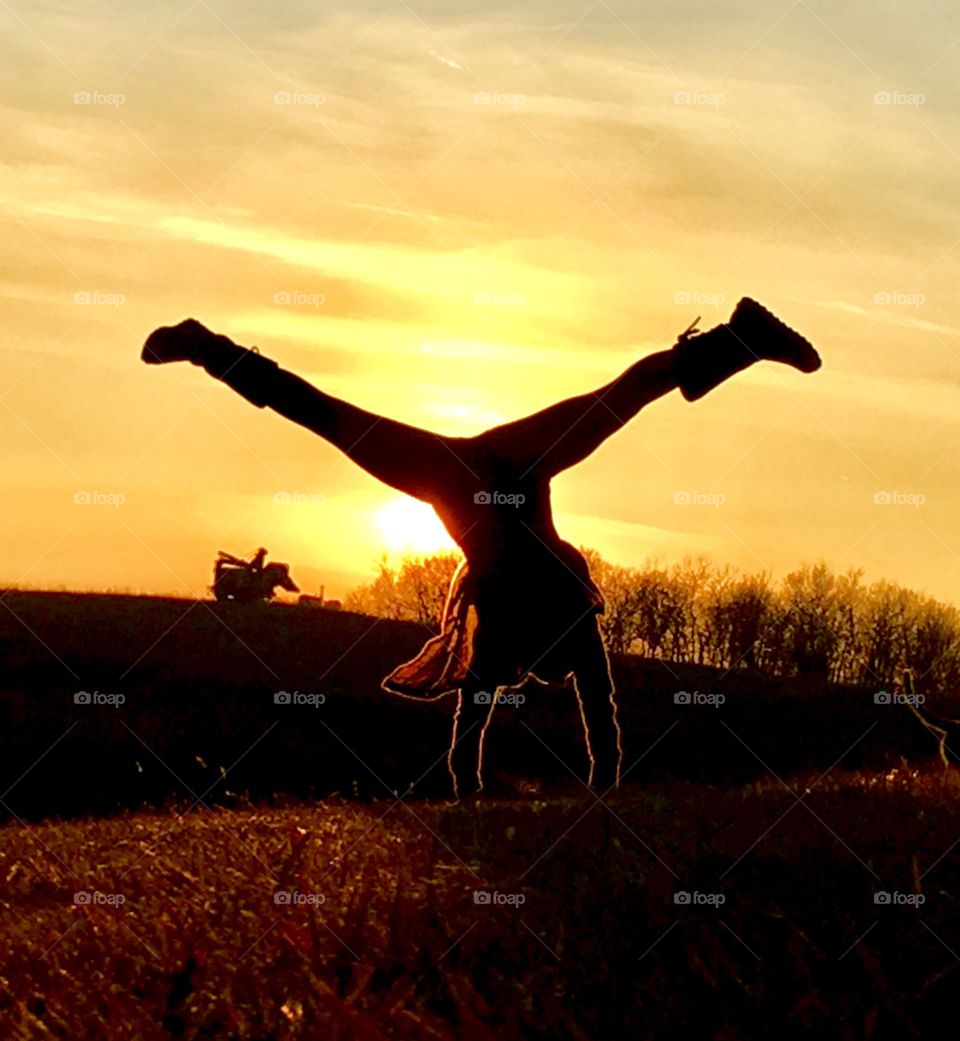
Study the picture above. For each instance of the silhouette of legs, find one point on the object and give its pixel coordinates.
(415, 461)
(564, 434)
(421, 463)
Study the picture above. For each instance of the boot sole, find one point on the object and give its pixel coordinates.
(808, 359)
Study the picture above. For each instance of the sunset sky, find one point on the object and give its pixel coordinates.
(456, 214)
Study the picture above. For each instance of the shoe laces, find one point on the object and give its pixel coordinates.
(691, 330)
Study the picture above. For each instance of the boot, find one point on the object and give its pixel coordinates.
(245, 371)
(704, 360)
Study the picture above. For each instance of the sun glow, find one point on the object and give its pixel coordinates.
(410, 526)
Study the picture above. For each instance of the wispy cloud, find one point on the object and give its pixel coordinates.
(881, 315)
(458, 214)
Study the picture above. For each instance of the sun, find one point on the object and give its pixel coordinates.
(411, 526)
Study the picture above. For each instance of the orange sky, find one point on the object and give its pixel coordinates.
(456, 216)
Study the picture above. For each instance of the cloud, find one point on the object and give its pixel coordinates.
(538, 240)
(886, 317)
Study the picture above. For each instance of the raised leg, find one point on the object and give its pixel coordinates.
(566, 433)
(418, 462)
(563, 434)
(407, 458)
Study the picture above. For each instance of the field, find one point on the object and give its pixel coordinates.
(201, 861)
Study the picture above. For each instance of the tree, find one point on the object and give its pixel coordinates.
(883, 633)
(814, 622)
(620, 621)
(738, 614)
(415, 593)
(931, 643)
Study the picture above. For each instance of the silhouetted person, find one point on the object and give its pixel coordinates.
(523, 601)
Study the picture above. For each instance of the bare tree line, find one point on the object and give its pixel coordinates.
(812, 622)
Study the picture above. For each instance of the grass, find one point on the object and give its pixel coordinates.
(182, 934)
(388, 940)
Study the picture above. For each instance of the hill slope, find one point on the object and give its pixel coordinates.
(198, 682)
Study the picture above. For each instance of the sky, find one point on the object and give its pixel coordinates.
(455, 215)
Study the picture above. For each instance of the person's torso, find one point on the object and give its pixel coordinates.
(499, 513)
